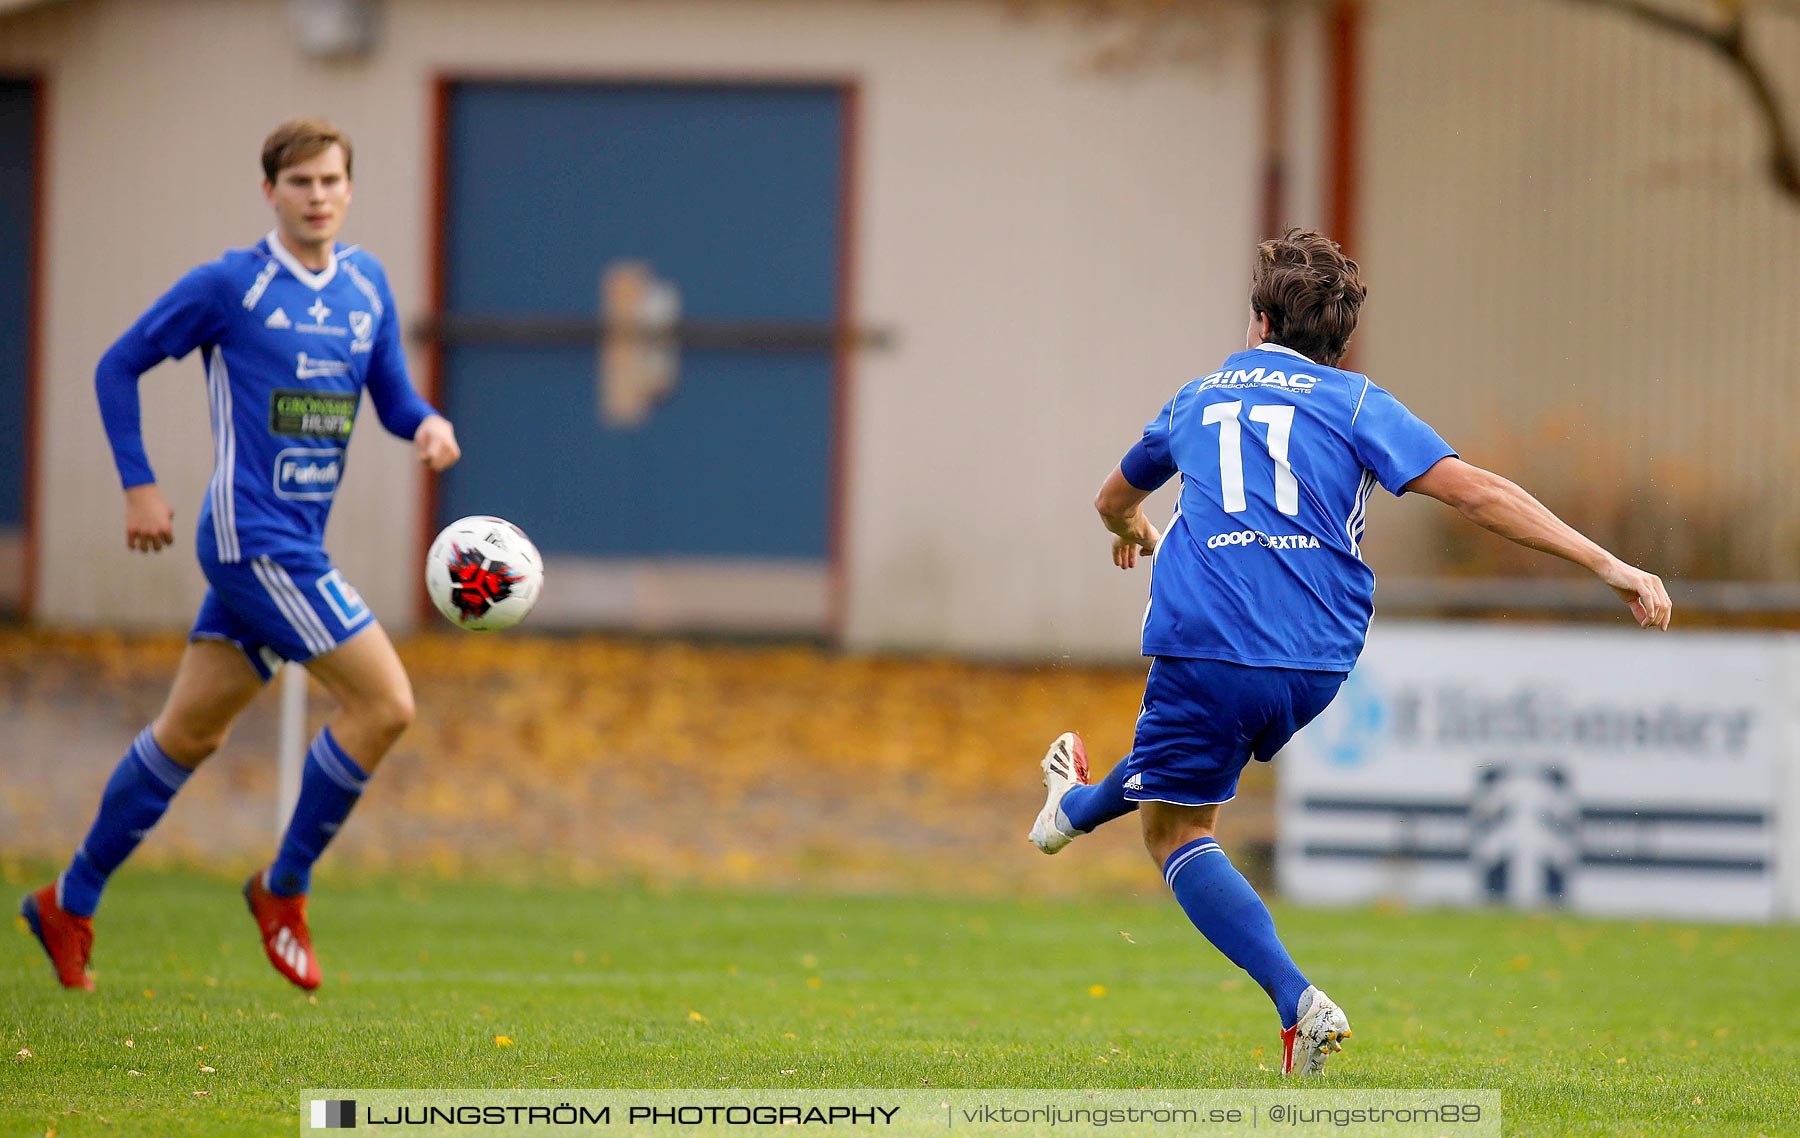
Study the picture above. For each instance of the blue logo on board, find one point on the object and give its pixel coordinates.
(1356, 721)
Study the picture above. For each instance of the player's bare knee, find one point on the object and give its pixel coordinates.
(388, 715)
(189, 743)
(401, 712)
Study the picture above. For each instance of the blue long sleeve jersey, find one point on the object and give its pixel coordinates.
(287, 352)
(1262, 563)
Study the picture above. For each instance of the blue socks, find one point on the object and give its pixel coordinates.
(144, 783)
(1085, 807)
(137, 794)
(329, 787)
(1228, 912)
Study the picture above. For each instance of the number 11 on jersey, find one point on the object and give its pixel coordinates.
(1280, 421)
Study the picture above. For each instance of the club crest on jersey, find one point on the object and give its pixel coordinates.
(478, 582)
(362, 326)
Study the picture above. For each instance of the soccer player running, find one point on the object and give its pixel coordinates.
(1259, 597)
(291, 330)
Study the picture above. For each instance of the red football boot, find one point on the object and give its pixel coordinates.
(282, 922)
(67, 939)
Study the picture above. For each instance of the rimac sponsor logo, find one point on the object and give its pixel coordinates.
(307, 474)
(362, 326)
(319, 311)
(312, 367)
(278, 319)
(1248, 537)
(312, 414)
(333, 1113)
(1260, 377)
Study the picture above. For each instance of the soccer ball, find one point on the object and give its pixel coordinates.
(483, 573)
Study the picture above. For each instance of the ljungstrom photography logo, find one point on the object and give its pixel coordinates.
(333, 1113)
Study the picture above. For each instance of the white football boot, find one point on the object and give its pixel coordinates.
(1065, 765)
(1315, 1035)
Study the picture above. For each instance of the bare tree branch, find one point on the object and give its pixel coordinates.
(1732, 42)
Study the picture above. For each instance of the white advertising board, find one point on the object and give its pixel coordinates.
(1607, 772)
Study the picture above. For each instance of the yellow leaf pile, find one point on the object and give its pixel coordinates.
(612, 758)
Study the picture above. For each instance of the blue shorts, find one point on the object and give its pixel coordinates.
(1204, 719)
(292, 605)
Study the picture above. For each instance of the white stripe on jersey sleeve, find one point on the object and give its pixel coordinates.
(362, 283)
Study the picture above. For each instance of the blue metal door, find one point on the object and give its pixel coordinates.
(18, 179)
(710, 509)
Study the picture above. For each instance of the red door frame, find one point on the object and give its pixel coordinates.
(36, 259)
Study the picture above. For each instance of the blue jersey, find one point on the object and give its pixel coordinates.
(287, 354)
(1262, 563)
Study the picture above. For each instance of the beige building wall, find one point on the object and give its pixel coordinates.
(1583, 274)
(1057, 249)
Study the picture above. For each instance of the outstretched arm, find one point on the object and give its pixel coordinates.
(1121, 507)
(1502, 507)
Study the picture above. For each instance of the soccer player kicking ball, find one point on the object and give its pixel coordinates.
(291, 330)
(1259, 598)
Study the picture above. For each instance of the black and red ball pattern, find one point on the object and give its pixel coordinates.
(478, 583)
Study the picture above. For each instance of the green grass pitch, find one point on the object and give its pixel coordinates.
(1587, 1027)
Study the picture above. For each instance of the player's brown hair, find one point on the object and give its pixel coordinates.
(297, 140)
(1310, 292)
